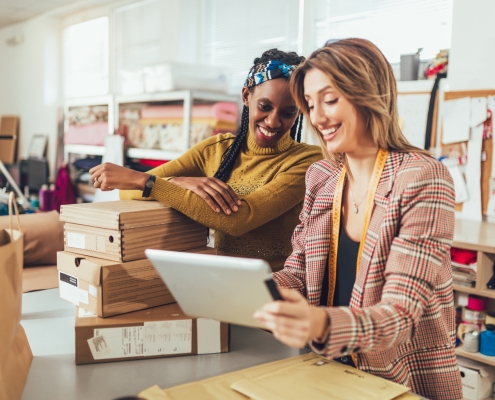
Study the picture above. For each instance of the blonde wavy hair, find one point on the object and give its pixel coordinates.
(360, 71)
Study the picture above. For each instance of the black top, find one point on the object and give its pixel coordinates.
(346, 272)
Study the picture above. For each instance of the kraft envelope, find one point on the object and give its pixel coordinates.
(318, 378)
(219, 387)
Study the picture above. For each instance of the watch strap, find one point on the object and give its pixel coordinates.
(148, 186)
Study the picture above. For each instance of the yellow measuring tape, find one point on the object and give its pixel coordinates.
(381, 158)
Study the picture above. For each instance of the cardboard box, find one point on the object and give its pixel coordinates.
(9, 131)
(118, 215)
(122, 230)
(107, 288)
(130, 244)
(163, 331)
(477, 379)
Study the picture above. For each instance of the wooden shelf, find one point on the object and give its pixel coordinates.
(475, 356)
(152, 154)
(474, 235)
(176, 95)
(84, 149)
(469, 290)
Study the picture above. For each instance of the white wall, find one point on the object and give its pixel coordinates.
(472, 55)
(31, 73)
(29, 79)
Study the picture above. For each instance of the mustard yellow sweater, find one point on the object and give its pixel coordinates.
(269, 182)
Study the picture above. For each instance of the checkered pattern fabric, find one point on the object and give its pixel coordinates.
(400, 321)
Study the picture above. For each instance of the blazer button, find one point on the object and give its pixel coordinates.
(343, 349)
(344, 359)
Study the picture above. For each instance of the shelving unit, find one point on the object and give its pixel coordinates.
(475, 356)
(187, 98)
(107, 100)
(480, 237)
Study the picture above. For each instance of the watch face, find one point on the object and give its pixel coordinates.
(149, 183)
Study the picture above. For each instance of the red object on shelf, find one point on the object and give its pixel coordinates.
(152, 163)
(463, 256)
(476, 303)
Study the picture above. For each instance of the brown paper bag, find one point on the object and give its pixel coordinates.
(15, 353)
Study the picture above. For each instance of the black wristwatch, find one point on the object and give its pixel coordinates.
(149, 185)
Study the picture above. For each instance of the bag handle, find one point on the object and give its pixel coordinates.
(13, 201)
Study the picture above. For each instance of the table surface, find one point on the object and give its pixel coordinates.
(49, 325)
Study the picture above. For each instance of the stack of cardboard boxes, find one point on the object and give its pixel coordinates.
(104, 272)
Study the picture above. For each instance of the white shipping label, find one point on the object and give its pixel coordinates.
(85, 314)
(99, 348)
(208, 336)
(69, 289)
(76, 240)
(121, 342)
(83, 296)
(93, 291)
(168, 337)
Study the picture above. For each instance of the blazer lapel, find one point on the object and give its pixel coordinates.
(318, 235)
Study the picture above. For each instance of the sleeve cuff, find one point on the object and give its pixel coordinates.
(319, 345)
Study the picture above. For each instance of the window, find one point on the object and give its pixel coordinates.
(236, 32)
(395, 26)
(140, 35)
(85, 58)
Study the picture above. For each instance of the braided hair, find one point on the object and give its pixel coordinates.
(230, 155)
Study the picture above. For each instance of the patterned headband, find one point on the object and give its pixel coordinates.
(266, 71)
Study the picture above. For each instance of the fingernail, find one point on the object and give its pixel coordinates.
(227, 212)
(235, 208)
(239, 202)
(217, 209)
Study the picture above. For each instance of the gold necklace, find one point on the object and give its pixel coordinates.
(356, 209)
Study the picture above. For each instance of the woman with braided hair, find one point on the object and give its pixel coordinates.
(249, 187)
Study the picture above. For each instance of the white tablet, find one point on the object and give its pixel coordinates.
(228, 289)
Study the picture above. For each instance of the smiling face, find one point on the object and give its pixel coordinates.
(272, 111)
(340, 124)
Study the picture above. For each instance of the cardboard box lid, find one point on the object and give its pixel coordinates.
(483, 369)
(168, 312)
(80, 266)
(88, 269)
(123, 214)
(9, 126)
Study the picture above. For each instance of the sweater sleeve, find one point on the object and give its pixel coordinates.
(270, 201)
(414, 262)
(191, 164)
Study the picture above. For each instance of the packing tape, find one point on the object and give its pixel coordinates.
(472, 341)
(464, 328)
(490, 319)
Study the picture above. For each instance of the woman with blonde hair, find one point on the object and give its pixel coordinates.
(370, 263)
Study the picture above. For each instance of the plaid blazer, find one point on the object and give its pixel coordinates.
(400, 322)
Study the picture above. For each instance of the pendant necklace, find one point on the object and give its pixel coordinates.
(356, 209)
